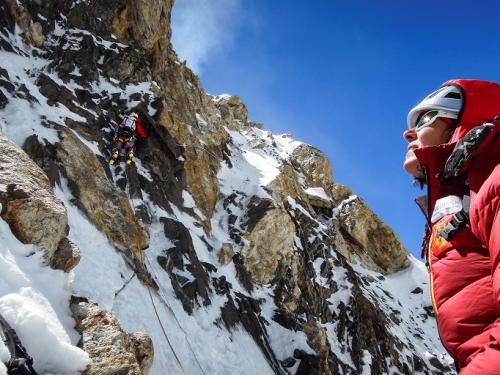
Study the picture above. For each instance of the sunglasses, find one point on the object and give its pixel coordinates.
(430, 116)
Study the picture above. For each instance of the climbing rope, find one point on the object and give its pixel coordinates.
(165, 333)
(169, 308)
(125, 285)
(127, 190)
(164, 300)
(205, 148)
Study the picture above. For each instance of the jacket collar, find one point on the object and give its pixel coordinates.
(433, 158)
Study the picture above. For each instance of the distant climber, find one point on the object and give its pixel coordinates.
(125, 136)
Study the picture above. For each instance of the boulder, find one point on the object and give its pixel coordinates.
(35, 35)
(29, 206)
(111, 349)
(226, 254)
(317, 339)
(144, 350)
(66, 256)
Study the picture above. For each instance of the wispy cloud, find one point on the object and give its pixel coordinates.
(203, 28)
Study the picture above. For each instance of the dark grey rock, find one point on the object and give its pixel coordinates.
(3, 100)
(187, 291)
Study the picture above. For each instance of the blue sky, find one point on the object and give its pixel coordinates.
(342, 75)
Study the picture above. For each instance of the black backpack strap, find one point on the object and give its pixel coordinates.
(459, 219)
(465, 149)
(20, 363)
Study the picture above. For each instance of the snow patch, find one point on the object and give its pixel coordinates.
(367, 362)
(201, 121)
(346, 201)
(318, 192)
(35, 301)
(4, 357)
(221, 97)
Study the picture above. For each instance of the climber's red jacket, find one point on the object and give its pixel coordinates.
(138, 127)
(465, 267)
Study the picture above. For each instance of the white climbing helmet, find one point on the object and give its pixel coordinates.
(447, 101)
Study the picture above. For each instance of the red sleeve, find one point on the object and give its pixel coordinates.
(485, 212)
(140, 129)
(491, 224)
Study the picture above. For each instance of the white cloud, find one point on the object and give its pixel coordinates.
(203, 28)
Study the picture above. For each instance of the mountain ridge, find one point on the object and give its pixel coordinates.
(308, 280)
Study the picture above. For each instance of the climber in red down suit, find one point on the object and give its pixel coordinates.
(125, 136)
(454, 149)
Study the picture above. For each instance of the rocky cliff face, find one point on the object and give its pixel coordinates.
(241, 237)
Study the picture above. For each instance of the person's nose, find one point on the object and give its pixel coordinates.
(410, 135)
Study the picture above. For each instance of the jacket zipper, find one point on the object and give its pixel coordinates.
(429, 250)
(429, 255)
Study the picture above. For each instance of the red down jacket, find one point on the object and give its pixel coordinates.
(465, 267)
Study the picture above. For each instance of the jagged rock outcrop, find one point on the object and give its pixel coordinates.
(143, 349)
(287, 184)
(270, 235)
(30, 208)
(315, 166)
(144, 22)
(33, 32)
(362, 235)
(111, 350)
(232, 108)
(181, 261)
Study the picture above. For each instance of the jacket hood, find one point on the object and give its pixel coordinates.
(481, 103)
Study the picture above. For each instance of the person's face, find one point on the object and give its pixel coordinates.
(438, 132)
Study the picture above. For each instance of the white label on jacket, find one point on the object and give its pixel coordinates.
(446, 206)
